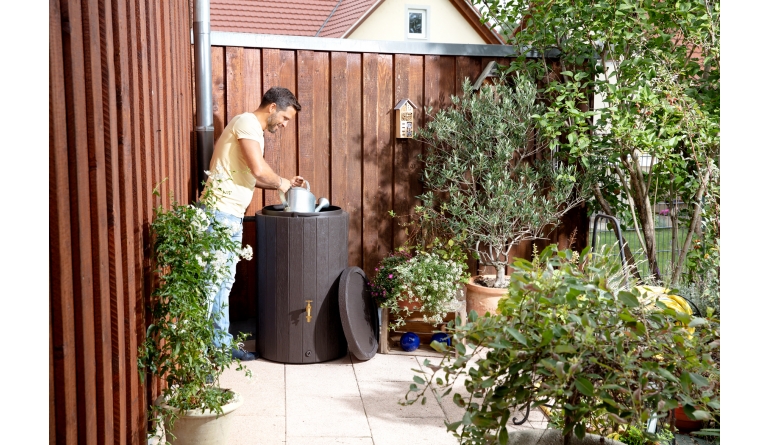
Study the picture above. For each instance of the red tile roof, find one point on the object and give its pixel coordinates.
(346, 15)
(286, 17)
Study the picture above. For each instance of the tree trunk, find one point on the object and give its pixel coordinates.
(630, 261)
(499, 276)
(693, 226)
(673, 213)
(644, 209)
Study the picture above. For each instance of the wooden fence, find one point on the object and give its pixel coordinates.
(120, 115)
(343, 141)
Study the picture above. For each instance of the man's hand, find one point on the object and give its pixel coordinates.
(297, 181)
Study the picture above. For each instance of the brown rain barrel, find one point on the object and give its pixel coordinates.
(300, 257)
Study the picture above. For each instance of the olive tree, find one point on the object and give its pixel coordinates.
(489, 181)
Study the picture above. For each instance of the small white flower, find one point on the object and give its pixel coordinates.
(247, 253)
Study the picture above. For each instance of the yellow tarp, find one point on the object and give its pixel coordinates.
(675, 302)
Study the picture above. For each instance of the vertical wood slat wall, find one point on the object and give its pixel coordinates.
(120, 121)
(343, 141)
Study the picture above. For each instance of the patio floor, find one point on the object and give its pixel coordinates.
(346, 401)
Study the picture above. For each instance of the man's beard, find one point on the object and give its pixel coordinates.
(272, 123)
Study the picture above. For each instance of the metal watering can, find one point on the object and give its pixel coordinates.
(299, 199)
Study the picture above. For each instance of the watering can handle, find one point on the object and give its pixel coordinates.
(282, 196)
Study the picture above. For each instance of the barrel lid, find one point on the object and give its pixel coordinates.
(358, 311)
(277, 210)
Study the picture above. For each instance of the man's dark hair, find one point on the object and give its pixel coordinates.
(281, 97)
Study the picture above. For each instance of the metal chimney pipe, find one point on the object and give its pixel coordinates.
(204, 115)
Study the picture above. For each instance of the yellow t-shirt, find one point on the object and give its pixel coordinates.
(236, 191)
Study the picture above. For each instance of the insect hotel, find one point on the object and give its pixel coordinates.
(405, 119)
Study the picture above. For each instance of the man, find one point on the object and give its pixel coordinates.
(239, 156)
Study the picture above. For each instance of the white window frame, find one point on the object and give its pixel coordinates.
(425, 10)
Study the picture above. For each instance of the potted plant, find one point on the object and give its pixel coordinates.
(568, 336)
(489, 178)
(190, 251)
(425, 279)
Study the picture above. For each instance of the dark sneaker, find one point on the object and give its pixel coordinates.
(242, 354)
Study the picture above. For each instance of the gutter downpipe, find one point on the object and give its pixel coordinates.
(204, 115)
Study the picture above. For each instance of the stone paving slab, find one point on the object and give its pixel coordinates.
(410, 431)
(325, 416)
(386, 368)
(257, 430)
(381, 399)
(345, 401)
(322, 380)
(329, 441)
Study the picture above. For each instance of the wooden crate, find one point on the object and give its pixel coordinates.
(389, 338)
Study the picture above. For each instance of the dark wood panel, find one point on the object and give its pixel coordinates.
(146, 183)
(339, 130)
(431, 81)
(77, 144)
(95, 109)
(306, 74)
(466, 67)
(115, 233)
(166, 99)
(414, 148)
(140, 193)
(218, 104)
(155, 110)
(237, 80)
(271, 65)
(401, 192)
(385, 141)
(321, 130)
(251, 97)
(286, 138)
(62, 328)
(124, 352)
(370, 209)
(355, 167)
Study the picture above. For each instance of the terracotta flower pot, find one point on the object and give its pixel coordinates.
(483, 299)
(683, 423)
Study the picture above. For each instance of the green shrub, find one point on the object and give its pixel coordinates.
(600, 355)
(189, 254)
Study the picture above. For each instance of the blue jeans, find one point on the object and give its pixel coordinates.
(221, 299)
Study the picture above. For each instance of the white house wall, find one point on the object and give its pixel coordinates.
(445, 23)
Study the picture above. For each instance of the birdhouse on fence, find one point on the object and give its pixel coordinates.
(405, 118)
